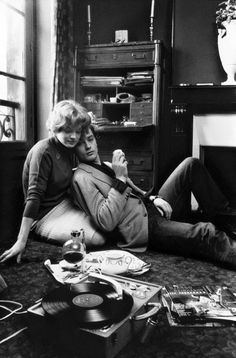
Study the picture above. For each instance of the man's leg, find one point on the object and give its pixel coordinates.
(192, 176)
(201, 240)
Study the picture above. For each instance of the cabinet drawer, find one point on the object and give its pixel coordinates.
(117, 56)
(139, 161)
(141, 112)
(136, 161)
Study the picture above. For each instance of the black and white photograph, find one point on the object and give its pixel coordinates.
(118, 178)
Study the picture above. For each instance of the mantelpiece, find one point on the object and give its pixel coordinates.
(205, 98)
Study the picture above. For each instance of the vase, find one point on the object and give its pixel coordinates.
(227, 50)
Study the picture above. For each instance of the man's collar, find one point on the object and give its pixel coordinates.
(96, 171)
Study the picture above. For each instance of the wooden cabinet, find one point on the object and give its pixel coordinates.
(121, 85)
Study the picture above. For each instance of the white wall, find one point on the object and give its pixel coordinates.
(43, 63)
(214, 130)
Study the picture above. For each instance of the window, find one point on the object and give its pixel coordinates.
(16, 69)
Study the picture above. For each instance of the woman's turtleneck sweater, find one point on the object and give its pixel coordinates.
(47, 175)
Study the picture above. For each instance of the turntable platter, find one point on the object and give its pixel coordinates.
(91, 304)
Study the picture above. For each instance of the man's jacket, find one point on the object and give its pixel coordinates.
(93, 192)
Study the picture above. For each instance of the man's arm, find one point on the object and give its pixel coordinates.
(100, 200)
(103, 199)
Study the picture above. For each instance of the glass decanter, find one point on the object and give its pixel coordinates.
(74, 250)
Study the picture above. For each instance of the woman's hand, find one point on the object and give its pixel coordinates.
(119, 165)
(163, 207)
(16, 250)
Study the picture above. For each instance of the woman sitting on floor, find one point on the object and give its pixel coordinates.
(47, 175)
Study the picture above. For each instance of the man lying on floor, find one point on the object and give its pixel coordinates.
(144, 220)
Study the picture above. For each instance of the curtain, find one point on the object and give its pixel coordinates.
(62, 50)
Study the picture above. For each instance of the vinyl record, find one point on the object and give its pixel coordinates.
(92, 305)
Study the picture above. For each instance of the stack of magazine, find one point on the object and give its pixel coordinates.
(199, 306)
(139, 78)
(101, 81)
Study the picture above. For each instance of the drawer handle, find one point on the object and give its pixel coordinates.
(136, 162)
(139, 56)
(91, 58)
(114, 56)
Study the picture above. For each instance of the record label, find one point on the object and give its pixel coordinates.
(87, 300)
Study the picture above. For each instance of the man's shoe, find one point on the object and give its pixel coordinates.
(228, 211)
(230, 258)
(227, 224)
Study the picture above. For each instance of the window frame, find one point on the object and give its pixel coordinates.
(29, 78)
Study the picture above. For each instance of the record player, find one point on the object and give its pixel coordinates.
(96, 317)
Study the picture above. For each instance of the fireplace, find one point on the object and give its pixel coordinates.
(214, 142)
(210, 113)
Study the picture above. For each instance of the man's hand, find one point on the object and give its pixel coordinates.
(16, 250)
(119, 165)
(163, 207)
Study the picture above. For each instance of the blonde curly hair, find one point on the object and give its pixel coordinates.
(67, 113)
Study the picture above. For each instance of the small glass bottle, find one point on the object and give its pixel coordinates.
(73, 250)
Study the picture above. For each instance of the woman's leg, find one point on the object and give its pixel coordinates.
(56, 226)
(192, 176)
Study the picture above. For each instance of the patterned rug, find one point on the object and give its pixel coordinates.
(29, 281)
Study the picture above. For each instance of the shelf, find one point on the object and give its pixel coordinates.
(116, 104)
(114, 44)
(97, 85)
(129, 87)
(117, 128)
(205, 98)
